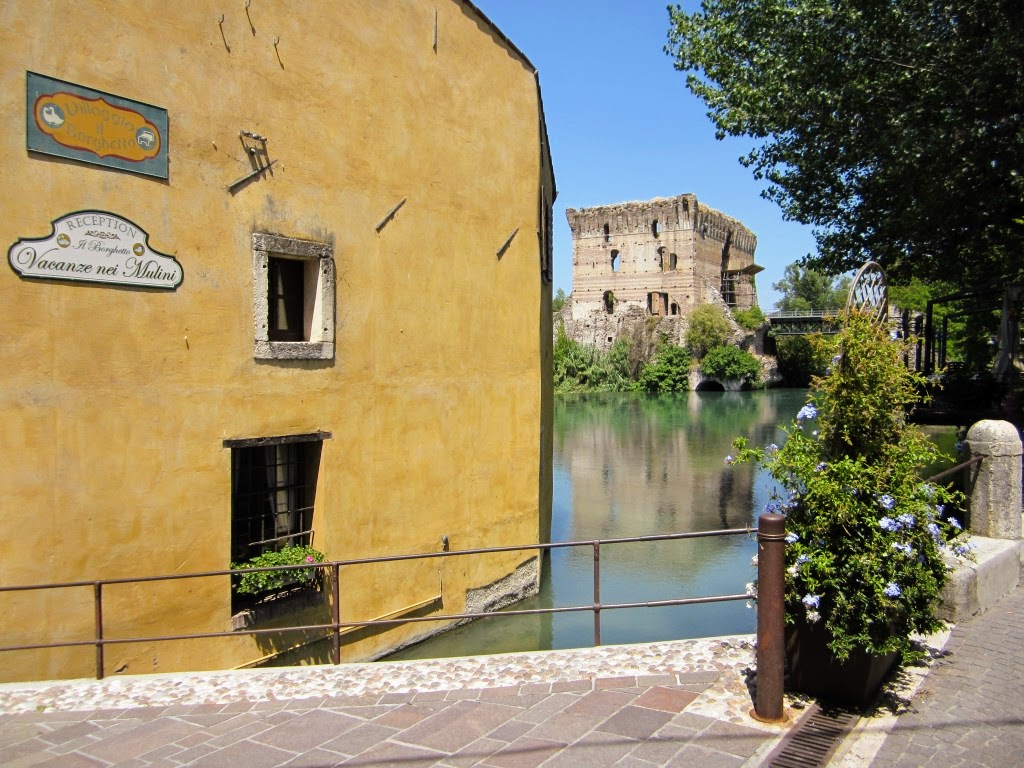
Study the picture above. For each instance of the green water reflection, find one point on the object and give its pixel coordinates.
(634, 465)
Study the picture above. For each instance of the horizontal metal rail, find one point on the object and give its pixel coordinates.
(971, 462)
(99, 641)
(796, 313)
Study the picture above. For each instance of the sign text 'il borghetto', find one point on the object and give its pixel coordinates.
(95, 247)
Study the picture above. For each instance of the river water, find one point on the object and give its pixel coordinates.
(636, 465)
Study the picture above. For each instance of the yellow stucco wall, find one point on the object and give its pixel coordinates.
(116, 401)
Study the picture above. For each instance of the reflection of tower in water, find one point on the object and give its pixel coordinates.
(641, 466)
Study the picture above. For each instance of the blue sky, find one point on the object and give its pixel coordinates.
(623, 126)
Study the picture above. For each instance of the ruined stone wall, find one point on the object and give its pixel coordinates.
(663, 257)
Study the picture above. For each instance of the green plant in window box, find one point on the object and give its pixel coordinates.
(256, 582)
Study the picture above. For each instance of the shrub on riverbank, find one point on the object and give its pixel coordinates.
(582, 368)
(668, 372)
(709, 328)
(726, 362)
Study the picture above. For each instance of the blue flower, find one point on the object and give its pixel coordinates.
(886, 501)
(905, 548)
(935, 531)
(892, 589)
(962, 549)
(729, 459)
(801, 559)
(954, 523)
(807, 412)
(792, 538)
(907, 520)
(888, 524)
(811, 601)
(772, 448)
(940, 508)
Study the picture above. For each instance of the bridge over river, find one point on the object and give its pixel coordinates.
(803, 321)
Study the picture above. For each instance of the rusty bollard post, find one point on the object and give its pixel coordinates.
(771, 617)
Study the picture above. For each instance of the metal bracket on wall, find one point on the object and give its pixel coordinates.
(507, 243)
(389, 215)
(255, 147)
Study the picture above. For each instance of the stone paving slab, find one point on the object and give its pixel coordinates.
(676, 703)
(969, 710)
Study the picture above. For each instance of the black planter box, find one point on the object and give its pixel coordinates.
(814, 670)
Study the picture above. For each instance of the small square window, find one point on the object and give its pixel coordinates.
(293, 298)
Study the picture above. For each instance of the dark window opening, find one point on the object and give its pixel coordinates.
(607, 234)
(609, 302)
(285, 299)
(655, 228)
(272, 493)
(673, 262)
(657, 303)
(616, 261)
(674, 309)
(729, 280)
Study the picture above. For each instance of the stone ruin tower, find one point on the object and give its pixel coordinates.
(660, 258)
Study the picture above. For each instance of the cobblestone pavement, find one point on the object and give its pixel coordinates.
(681, 703)
(969, 711)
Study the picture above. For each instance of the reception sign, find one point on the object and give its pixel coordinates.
(95, 247)
(73, 121)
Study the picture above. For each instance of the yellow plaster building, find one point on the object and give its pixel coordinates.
(277, 272)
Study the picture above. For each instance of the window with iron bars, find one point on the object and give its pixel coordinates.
(273, 490)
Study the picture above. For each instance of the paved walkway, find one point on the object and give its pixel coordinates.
(682, 703)
(969, 711)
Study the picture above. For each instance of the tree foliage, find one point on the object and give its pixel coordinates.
(708, 328)
(800, 360)
(894, 127)
(559, 300)
(804, 289)
(748, 319)
(728, 362)
(668, 372)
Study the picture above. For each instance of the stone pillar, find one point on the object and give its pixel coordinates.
(995, 495)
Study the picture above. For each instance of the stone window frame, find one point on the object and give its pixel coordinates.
(318, 293)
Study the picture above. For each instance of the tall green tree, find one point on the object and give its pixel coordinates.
(894, 127)
(804, 289)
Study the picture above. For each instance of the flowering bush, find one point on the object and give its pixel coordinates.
(866, 536)
(261, 581)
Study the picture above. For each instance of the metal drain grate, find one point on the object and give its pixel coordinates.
(813, 740)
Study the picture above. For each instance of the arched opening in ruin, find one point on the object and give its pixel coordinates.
(710, 385)
(673, 262)
(674, 309)
(607, 234)
(655, 228)
(609, 302)
(616, 261)
(662, 261)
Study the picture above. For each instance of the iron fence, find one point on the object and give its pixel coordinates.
(334, 629)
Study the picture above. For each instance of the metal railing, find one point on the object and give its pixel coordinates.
(791, 313)
(336, 626)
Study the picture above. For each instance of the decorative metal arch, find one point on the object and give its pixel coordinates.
(869, 293)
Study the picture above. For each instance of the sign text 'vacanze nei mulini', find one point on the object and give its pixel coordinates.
(95, 247)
